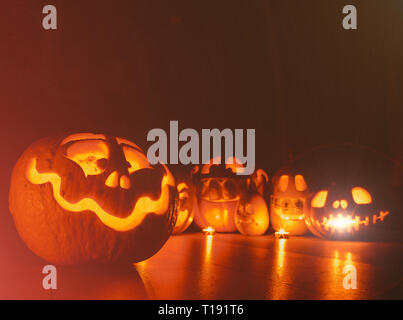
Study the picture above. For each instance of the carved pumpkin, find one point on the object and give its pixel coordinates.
(187, 207)
(91, 198)
(344, 211)
(352, 193)
(221, 193)
(289, 202)
(252, 216)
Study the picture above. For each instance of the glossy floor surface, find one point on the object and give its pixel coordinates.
(229, 266)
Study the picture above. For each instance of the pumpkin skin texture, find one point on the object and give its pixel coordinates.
(252, 217)
(351, 193)
(187, 206)
(219, 192)
(345, 211)
(289, 201)
(228, 202)
(92, 216)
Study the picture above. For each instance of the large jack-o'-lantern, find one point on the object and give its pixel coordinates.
(225, 202)
(343, 212)
(289, 202)
(91, 198)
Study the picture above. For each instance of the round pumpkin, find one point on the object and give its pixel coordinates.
(91, 198)
(344, 211)
(219, 191)
(252, 216)
(228, 202)
(289, 201)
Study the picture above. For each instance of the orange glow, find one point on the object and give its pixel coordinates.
(183, 216)
(253, 217)
(232, 163)
(282, 234)
(290, 211)
(300, 183)
(186, 208)
(341, 203)
(349, 258)
(382, 215)
(281, 254)
(209, 245)
(143, 206)
(284, 182)
(136, 159)
(183, 194)
(209, 231)
(124, 182)
(83, 136)
(319, 199)
(235, 165)
(112, 180)
(261, 174)
(181, 186)
(86, 154)
(336, 261)
(260, 178)
(342, 223)
(289, 202)
(127, 142)
(361, 196)
(281, 231)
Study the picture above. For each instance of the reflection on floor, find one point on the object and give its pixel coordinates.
(230, 266)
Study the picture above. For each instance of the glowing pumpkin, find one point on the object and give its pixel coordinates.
(187, 207)
(289, 202)
(91, 198)
(252, 216)
(344, 212)
(222, 195)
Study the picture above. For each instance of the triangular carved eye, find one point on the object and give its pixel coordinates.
(136, 159)
(283, 182)
(300, 183)
(361, 196)
(319, 199)
(88, 155)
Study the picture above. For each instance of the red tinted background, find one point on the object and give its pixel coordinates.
(285, 68)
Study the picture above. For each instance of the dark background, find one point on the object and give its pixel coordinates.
(286, 68)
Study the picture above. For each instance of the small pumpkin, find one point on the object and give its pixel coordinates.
(252, 216)
(289, 201)
(227, 202)
(89, 198)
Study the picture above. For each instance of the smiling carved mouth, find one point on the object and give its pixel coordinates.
(221, 200)
(290, 217)
(342, 222)
(143, 207)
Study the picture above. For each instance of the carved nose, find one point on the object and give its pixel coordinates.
(124, 182)
(340, 203)
(114, 180)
